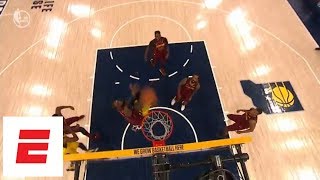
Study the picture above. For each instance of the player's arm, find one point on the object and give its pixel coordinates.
(59, 108)
(167, 47)
(127, 111)
(135, 89)
(182, 82)
(147, 51)
(74, 138)
(198, 87)
(252, 125)
(242, 110)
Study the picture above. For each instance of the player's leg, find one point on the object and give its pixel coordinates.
(71, 120)
(84, 148)
(185, 98)
(177, 98)
(162, 65)
(236, 117)
(82, 131)
(184, 104)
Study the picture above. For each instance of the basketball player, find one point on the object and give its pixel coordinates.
(68, 121)
(70, 146)
(186, 89)
(138, 105)
(160, 52)
(133, 116)
(245, 122)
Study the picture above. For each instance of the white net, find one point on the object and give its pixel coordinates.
(159, 118)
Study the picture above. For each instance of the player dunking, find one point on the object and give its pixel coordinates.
(186, 89)
(245, 122)
(70, 146)
(137, 107)
(160, 52)
(68, 121)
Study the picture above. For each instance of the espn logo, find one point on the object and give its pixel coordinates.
(32, 146)
(24, 148)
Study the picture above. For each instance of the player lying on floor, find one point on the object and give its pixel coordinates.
(137, 107)
(70, 146)
(245, 122)
(186, 90)
(67, 122)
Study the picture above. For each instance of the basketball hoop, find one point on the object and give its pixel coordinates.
(148, 123)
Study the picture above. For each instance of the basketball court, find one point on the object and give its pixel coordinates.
(86, 53)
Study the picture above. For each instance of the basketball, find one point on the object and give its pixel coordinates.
(283, 97)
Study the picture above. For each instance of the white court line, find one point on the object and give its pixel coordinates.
(124, 135)
(149, 16)
(90, 107)
(111, 56)
(134, 77)
(119, 68)
(155, 79)
(170, 75)
(186, 63)
(191, 48)
(169, 109)
(215, 81)
(117, 83)
(176, 1)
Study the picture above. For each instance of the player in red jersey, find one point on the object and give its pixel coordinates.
(67, 122)
(137, 107)
(160, 52)
(245, 122)
(131, 115)
(186, 89)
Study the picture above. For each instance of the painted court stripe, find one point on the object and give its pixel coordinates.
(111, 56)
(186, 63)
(133, 77)
(155, 79)
(119, 68)
(147, 152)
(173, 74)
(191, 49)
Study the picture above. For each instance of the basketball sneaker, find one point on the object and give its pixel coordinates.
(173, 101)
(93, 150)
(183, 107)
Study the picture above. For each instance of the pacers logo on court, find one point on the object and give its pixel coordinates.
(32, 146)
(275, 97)
(282, 96)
